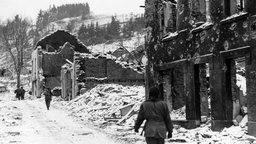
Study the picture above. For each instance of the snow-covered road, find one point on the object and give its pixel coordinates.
(28, 122)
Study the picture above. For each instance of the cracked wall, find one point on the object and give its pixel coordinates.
(214, 42)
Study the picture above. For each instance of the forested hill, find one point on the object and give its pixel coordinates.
(61, 12)
(101, 33)
(90, 29)
(94, 33)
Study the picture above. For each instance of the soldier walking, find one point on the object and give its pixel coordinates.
(157, 116)
(48, 97)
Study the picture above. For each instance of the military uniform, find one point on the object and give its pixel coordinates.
(158, 121)
(48, 97)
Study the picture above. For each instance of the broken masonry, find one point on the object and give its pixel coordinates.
(193, 50)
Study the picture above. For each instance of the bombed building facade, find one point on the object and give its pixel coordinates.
(60, 61)
(193, 49)
(50, 53)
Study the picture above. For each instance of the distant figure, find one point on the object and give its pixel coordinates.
(157, 116)
(22, 93)
(18, 93)
(48, 97)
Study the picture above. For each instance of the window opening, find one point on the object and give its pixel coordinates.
(199, 12)
(168, 14)
(227, 8)
(233, 6)
(240, 5)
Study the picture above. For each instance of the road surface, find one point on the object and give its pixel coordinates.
(28, 122)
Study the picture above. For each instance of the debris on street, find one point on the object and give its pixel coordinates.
(113, 108)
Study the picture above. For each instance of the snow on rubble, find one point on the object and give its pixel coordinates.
(113, 108)
(104, 101)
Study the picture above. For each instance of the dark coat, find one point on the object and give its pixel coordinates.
(18, 92)
(22, 92)
(48, 94)
(157, 116)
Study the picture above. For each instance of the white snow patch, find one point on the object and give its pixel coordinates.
(170, 35)
(129, 44)
(241, 83)
(203, 26)
(234, 16)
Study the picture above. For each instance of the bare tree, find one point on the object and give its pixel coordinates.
(16, 40)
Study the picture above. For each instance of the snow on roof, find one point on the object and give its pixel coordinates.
(170, 35)
(173, 35)
(234, 16)
(137, 68)
(203, 26)
(173, 2)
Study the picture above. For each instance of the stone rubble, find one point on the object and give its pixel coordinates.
(101, 106)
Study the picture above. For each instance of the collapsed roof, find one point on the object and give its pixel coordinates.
(58, 38)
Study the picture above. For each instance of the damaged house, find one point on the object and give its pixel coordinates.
(88, 70)
(61, 61)
(49, 55)
(196, 50)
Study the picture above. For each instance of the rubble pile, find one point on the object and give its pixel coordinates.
(179, 114)
(113, 108)
(108, 102)
(204, 134)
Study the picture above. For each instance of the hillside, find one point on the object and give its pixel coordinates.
(78, 21)
(109, 46)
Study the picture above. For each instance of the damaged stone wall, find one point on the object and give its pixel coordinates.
(152, 42)
(52, 62)
(215, 42)
(94, 69)
(53, 50)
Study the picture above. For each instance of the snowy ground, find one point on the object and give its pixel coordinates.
(100, 102)
(87, 119)
(28, 122)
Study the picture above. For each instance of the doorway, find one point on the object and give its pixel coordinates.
(238, 90)
(202, 92)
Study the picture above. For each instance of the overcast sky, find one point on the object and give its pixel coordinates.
(30, 8)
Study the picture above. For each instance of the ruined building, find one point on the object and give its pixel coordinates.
(60, 61)
(193, 49)
(49, 55)
(93, 69)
